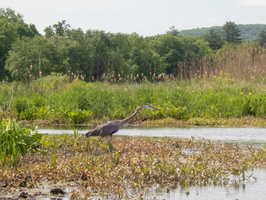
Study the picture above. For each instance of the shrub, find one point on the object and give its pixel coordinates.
(30, 108)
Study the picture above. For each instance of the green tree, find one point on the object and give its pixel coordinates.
(262, 38)
(214, 39)
(32, 58)
(173, 31)
(195, 48)
(171, 51)
(59, 29)
(81, 59)
(12, 27)
(100, 44)
(144, 58)
(8, 34)
(231, 32)
(119, 55)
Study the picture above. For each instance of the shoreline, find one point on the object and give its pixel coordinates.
(167, 122)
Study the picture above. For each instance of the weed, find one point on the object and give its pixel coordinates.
(137, 162)
(16, 141)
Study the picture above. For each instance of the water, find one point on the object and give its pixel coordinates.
(246, 136)
(255, 189)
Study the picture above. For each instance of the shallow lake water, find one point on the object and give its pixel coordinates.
(247, 136)
(254, 189)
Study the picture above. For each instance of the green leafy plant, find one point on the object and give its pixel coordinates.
(16, 141)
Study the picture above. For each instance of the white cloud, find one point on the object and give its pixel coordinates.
(253, 2)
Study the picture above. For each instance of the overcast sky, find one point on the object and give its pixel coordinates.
(145, 17)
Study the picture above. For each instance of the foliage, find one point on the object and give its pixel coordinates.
(231, 33)
(214, 39)
(59, 29)
(12, 28)
(39, 56)
(55, 99)
(95, 55)
(262, 38)
(173, 31)
(16, 141)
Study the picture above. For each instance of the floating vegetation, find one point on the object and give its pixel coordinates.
(132, 164)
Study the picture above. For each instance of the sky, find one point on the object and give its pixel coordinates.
(144, 17)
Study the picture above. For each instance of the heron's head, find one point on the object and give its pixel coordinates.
(149, 106)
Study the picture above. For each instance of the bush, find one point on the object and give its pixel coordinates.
(30, 108)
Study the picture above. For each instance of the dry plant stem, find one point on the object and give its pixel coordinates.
(135, 162)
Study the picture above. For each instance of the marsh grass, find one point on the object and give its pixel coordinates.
(135, 162)
(78, 102)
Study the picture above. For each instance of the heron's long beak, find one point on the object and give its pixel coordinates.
(155, 108)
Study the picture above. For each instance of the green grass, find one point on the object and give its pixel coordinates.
(16, 141)
(53, 98)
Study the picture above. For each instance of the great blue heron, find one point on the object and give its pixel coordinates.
(111, 127)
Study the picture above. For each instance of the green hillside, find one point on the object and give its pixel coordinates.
(249, 32)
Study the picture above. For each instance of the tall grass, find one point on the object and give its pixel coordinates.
(79, 102)
(242, 61)
(16, 141)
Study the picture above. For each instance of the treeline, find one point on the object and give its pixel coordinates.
(248, 32)
(98, 55)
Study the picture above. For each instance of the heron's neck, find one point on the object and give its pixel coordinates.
(126, 120)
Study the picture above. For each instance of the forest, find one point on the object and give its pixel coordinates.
(97, 55)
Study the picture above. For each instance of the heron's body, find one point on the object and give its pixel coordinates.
(108, 128)
(111, 127)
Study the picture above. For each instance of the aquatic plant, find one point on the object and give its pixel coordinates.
(135, 162)
(16, 141)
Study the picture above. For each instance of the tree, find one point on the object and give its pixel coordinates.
(81, 60)
(40, 56)
(231, 32)
(8, 35)
(100, 44)
(171, 51)
(12, 27)
(172, 31)
(214, 39)
(59, 29)
(144, 60)
(262, 38)
(195, 48)
(119, 60)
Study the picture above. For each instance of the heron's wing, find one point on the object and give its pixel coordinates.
(108, 128)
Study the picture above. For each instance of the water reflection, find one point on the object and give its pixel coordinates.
(251, 190)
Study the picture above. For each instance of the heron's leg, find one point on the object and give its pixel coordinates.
(110, 144)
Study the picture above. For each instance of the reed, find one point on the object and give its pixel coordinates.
(243, 61)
